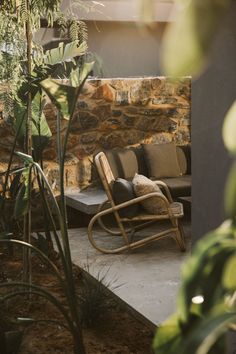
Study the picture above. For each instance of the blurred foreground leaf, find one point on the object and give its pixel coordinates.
(147, 11)
(229, 129)
(230, 193)
(229, 279)
(187, 41)
(199, 327)
(168, 336)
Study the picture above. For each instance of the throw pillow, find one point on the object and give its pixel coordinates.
(142, 186)
(161, 160)
(123, 191)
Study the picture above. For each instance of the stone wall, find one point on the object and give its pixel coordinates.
(116, 113)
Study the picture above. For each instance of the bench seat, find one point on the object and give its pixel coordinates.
(87, 201)
(179, 186)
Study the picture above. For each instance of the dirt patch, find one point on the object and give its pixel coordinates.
(111, 330)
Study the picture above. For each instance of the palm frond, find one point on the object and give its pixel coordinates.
(82, 32)
(78, 31)
(22, 12)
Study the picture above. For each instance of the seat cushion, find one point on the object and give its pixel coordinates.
(143, 186)
(179, 186)
(123, 191)
(161, 160)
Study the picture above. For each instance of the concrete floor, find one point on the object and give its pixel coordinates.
(147, 279)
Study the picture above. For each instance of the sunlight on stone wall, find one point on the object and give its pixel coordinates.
(115, 113)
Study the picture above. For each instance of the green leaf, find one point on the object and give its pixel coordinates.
(5, 235)
(168, 336)
(65, 52)
(206, 334)
(22, 198)
(64, 96)
(25, 320)
(83, 73)
(60, 95)
(230, 193)
(187, 40)
(20, 114)
(26, 158)
(229, 279)
(229, 129)
(41, 132)
(201, 336)
(206, 262)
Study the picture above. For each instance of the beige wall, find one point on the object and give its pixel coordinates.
(125, 10)
(125, 49)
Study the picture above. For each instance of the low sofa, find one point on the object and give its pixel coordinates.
(166, 162)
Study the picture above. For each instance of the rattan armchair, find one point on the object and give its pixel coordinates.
(123, 237)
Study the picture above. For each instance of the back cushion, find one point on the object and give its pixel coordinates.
(161, 160)
(113, 162)
(128, 162)
(187, 151)
(123, 191)
(142, 166)
(123, 162)
(182, 160)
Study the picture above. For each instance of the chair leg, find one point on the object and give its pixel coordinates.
(180, 239)
(94, 244)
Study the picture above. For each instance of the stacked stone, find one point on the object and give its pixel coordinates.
(117, 113)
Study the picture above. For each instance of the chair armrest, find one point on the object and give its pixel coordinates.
(166, 189)
(136, 201)
(143, 197)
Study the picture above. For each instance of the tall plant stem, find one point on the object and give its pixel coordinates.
(68, 271)
(28, 149)
(72, 299)
(78, 340)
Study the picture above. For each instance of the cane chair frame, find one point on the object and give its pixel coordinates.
(174, 214)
